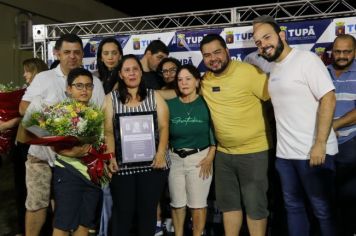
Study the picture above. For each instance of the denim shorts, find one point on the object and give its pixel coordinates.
(76, 200)
(241, 182)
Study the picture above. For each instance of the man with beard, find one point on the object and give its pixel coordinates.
(233, 91)
(254, 57)
(343, 73)
(303, 99)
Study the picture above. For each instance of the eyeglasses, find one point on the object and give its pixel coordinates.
(345, 52)
(169, 71)
(81, 86)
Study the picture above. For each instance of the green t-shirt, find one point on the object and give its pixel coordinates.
(189, 124)
(76, 163)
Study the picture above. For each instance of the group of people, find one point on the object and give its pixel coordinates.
(215, 122)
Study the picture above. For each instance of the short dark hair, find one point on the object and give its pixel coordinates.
(263, 19)
(345, 37)
(123, 91)
(76, 72)
(157, 46)
(212, 37)
(71, 38)
(193, 70)
(274, 25)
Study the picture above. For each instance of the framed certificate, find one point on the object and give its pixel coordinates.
(136, 137)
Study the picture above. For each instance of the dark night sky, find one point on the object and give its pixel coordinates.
(155, 7)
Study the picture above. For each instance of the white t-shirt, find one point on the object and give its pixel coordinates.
(296, 85)
(49, 87)
(257, 60)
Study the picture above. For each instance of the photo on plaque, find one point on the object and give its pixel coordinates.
(138, 141)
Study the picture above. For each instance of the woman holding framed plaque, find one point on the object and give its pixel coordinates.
(136, 130)
(192, 151)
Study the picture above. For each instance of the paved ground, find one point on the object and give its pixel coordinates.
(8, 209)
(7, 199)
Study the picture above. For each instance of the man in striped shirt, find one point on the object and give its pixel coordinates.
(343, 72)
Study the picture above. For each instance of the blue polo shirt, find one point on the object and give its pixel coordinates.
(345, 89)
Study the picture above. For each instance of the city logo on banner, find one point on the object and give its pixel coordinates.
(342, 27)
(138, 43)
(188, 41)
(229, 37)
(93, 47)
(298, 34)
(345, 26)
(339, 28)
(322, 53)
(238, 37)
(323, 50)
(232, 36)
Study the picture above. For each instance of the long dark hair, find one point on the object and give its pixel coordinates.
(124, 94)
(108, 77)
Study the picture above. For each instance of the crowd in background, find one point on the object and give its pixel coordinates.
(271, 139)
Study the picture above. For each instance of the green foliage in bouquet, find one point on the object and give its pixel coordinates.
(9, 87)
(70, 118)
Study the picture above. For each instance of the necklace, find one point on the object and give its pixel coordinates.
(186, 108)
(189, 106)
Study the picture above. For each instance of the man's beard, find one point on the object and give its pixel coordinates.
(278, 52)
(341, 67)
(223, 67)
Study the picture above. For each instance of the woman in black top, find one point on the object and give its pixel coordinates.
(135, 189)
(108, 56)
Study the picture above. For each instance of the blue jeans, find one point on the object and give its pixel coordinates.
(346, 187)
(299, 182)
(105, 218)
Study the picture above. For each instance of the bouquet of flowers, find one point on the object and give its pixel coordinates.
(67, 124)
(10, 97)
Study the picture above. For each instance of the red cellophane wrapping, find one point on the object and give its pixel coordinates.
(59, 142)
(9, 107)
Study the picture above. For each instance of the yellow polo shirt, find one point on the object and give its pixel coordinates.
(235, 102)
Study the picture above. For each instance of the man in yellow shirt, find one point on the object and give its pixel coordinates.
(234, 92)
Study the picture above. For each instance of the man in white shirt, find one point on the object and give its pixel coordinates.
(303, 98)
(254, 57)
(49, 86)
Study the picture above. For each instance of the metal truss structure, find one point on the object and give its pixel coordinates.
(228, 17)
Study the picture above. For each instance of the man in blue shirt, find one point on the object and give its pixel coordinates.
(343, 72)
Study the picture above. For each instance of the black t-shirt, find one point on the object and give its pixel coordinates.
(153, 80)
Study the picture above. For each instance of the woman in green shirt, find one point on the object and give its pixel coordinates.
(192, 151)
